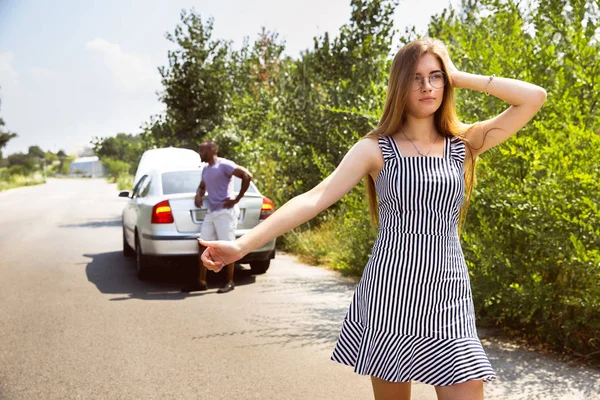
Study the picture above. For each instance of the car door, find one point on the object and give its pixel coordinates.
(130, 213)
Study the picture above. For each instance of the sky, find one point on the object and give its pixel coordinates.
(71, 70)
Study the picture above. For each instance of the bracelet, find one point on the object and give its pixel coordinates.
(487, 83)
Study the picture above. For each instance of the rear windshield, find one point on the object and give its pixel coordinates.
(188, 181)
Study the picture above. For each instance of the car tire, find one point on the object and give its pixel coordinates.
(141, 261)
(260, 267)
(128, 251)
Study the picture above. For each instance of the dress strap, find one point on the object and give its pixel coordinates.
(447, 149)
(457, 149)
(386, 147)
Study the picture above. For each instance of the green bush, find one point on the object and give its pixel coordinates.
(125, 182)
(115, 168)
(532, 238)
(313, 245)
(342, 239)
(353, 233)
(17, 170)
(11, 181)
(4, 175)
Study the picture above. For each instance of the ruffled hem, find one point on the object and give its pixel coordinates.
(404, 358)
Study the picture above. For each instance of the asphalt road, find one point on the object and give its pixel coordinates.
(75, 323)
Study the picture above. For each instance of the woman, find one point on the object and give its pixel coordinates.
(411, 317)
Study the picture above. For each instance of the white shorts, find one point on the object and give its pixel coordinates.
(221, 224)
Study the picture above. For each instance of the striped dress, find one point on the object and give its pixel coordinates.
(412, 317)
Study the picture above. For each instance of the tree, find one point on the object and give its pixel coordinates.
(38, 156)
(62, 156)
(123, 147)
(197, 83)
(5, 136)
(51, 157)
(23, 160)
(249, 133)
(36, 152)
(332, 95)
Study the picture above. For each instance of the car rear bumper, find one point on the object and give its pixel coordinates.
(183, 245)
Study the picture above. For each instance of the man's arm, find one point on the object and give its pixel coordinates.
(199, 194)
(246, 177)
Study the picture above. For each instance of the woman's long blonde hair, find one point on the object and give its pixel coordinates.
(446, 121)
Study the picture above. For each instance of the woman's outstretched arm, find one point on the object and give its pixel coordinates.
(362, 159)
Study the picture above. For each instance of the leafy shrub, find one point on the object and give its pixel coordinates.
(16, 170)
(353, 233)
(115, 168)
(125, 182)
(533, 237)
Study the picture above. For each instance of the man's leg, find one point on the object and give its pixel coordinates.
(225, 226)
(202, 274)
(230, 270)
(230, 284)
(207, 233)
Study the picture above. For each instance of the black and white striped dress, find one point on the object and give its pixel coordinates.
(412, 317)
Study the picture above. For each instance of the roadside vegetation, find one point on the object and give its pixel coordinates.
(31, 168)
(532, 235)
(8, 181)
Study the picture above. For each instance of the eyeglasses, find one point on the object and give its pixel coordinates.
(436, 80)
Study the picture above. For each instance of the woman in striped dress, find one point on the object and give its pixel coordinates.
(411, 317)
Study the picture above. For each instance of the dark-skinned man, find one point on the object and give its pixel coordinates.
(222, 214)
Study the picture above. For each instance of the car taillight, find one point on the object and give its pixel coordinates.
(161, 213)
(267, 208)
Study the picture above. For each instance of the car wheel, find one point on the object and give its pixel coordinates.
(141, 261)
(127, 250)
(260, 267)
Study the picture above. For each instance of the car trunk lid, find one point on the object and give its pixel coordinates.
(188, 218)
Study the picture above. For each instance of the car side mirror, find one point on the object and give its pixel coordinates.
(124, 194)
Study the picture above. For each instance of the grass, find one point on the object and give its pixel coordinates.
(124, 182)
(16, 181)
(312, 246)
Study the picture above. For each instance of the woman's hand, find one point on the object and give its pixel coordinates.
(450, 67)
(218, 254)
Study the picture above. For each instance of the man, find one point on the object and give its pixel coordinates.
(222, 214)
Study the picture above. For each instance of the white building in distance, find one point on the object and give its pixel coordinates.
(87, 166)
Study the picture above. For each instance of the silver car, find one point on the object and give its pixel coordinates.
(161, 219)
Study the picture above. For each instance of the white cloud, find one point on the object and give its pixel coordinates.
(42, 74)
(8, 76)
(130, 71)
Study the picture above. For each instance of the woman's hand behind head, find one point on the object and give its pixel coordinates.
(443, 51)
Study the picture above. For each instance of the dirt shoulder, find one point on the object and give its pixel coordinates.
(528, 374)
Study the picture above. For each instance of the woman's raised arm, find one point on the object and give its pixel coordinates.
(525, 99)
